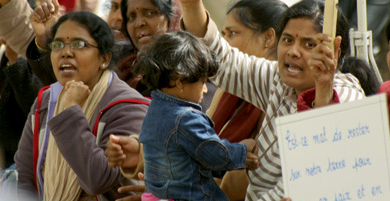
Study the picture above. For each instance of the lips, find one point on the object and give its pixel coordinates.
(117, 33)
(67, 68)
(143, 38)
(293, 69)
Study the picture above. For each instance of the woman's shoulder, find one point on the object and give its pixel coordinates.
(119, 89)
(346, 79)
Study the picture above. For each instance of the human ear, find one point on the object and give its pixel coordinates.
(179, 85)
(105, 60)
(270, 37)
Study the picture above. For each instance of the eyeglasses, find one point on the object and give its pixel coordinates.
(76, 45)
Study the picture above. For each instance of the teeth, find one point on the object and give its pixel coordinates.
(293, 70)
(66, 65)
(68, 70)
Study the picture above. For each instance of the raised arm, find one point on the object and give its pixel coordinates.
(15, 24)
(194, 17)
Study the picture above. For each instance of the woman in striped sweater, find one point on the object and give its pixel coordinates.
(304, 62)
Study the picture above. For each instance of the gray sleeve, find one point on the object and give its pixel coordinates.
(76, 142)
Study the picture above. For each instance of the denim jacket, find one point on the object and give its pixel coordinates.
(181, 149)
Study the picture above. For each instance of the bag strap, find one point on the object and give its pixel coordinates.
(36, 134)
(95, 127)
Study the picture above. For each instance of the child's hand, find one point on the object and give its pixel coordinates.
(133, 188)
(251, 145)
(122, 151)
(252, 161)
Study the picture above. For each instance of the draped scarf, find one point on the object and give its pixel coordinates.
(60, 180)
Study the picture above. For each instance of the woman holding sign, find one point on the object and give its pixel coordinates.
(303, 63)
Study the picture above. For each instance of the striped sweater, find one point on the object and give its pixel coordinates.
(257, 81)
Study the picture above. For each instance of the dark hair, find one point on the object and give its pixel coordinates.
(164, 6)
(388, 32)
(314, 10)
(259, 15)
(96, 26)
(172, 56)
(362, 71)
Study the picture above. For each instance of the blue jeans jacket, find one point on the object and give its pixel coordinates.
(181, 149)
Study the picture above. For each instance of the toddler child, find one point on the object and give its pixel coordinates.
(182, 152)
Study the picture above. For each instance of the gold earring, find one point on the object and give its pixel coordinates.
(266, 45)
(103, 65)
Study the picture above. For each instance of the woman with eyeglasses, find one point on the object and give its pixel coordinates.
(61, 151)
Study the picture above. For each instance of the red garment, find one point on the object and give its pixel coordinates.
(385, 88)
(307, 97)
(242, 118)
(70, 5)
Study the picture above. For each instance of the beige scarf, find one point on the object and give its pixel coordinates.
(60, 180)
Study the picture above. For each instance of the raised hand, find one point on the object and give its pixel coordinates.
(122, 151)
(43, 19)
(323, 65)
(76, 93)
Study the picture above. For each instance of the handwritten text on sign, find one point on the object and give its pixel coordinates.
(337, 153)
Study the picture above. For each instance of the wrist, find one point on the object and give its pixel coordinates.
(3, 3)
(39, 41)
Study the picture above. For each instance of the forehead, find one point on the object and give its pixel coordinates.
(139, 4)
(231, 19)
(72, 29)
(300, 27)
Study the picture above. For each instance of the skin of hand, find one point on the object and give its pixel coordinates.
(286, 199)
(133, 188)
(323, 65)
(43, 19)
(194, 17)
(252, 160)
(122, 151)
(11, 55)
(76, 93)
(4, 2)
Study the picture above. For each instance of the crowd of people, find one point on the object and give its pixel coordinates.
(152, 102)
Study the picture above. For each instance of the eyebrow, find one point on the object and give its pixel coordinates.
(73, 39)
(303, 38)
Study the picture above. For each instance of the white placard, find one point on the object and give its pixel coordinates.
(337, 153)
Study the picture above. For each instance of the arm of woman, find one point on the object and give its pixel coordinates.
(24, 161)
(25, 85)
(15, 25)
(74, 140)
(194, 17)
(249, 78)
(323, 65)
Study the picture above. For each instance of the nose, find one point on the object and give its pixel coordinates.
(204, 88)
(67, 51)
(294, 51)
(139, 21)
(118, 16)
